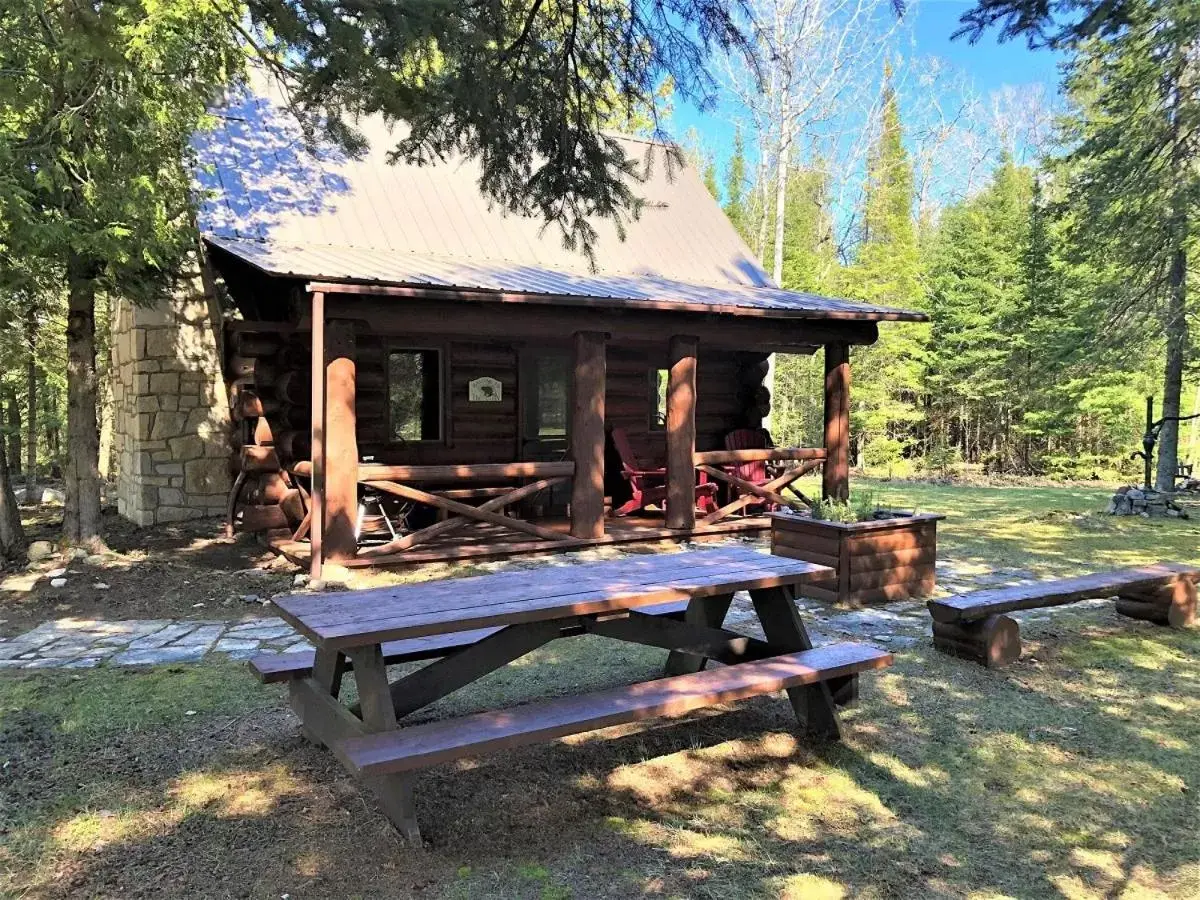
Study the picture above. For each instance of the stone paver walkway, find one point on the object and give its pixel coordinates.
(87, 643)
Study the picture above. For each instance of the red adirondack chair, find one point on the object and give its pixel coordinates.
(649, 485)
(753, 472)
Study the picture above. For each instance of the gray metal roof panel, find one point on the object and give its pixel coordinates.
(322, 215)
(358, 265)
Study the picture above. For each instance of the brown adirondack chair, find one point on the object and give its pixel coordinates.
(649, 485)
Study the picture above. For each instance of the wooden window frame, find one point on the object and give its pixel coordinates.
(443, 413)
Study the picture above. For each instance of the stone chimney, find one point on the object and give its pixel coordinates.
(171, 427)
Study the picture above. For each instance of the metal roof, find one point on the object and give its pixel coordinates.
(345, 264)
(328, 217)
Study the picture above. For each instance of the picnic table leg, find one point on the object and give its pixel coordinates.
(328, 669)
(781, 623)
(395, 792)
(706, 611)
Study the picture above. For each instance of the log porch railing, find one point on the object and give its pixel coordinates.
(710, 462)
(391, 480)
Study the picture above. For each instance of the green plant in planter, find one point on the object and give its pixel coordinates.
(859, 508)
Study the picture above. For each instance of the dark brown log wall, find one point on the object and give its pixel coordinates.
(273, 383)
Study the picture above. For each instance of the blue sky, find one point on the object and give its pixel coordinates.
(989, 64)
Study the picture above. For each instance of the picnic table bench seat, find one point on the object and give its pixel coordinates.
(443, 741)
(974, 625)
(676, 602)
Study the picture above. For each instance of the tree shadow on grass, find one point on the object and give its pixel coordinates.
(1062, 776)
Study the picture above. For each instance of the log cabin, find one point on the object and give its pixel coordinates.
(376, 365)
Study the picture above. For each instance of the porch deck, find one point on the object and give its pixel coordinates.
(481, 540)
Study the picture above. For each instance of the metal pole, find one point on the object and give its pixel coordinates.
(1148, 443)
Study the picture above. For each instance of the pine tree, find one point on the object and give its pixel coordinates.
(702, 161)
(808, 250)
(1135, 176)
(888, 408)
(978, 357)
(809, 263)
(736, 204)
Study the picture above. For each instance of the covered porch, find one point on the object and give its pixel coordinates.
(387, 426)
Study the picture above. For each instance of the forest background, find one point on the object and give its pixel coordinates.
(868, 170)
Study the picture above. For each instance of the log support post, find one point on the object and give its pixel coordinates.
(341, 443)
(836, 474)
(993, 642)
(317, 504)
(681, 432)
(587, 434)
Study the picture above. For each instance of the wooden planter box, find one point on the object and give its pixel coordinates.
(876, 561)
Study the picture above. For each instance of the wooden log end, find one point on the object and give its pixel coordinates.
(1173, 605)
(993, 642)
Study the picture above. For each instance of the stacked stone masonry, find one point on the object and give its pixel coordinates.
(170, 408)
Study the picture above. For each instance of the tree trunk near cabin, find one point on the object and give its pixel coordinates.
(31, 416)
(12, 535)
(12, 429)
(81, 516)
(1176, 329)
(50, 426)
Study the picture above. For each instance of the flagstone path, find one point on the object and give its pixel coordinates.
(75, 643)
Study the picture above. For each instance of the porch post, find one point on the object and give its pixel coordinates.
(587, 434)
(341, 443)
(681, 432)
(317, 510)
(835, 483)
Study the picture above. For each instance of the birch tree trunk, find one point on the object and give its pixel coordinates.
(781, 180)
(763, 207)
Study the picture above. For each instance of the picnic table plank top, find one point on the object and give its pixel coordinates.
(359, 618)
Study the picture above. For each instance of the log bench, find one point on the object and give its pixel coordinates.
(676, 601)
(974, 626)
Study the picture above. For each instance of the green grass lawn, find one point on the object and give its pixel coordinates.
(1072, 774)
(1052, 530)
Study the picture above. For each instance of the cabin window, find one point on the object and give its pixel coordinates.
(415, 395)
(547, 387)
(658, 399)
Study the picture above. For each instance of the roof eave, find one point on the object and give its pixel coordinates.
(402, 290)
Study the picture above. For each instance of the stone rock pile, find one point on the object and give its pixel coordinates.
(1135, 501)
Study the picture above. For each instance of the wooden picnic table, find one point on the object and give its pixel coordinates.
(675, 601)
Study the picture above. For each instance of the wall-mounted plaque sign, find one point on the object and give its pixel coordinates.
(484, 390)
